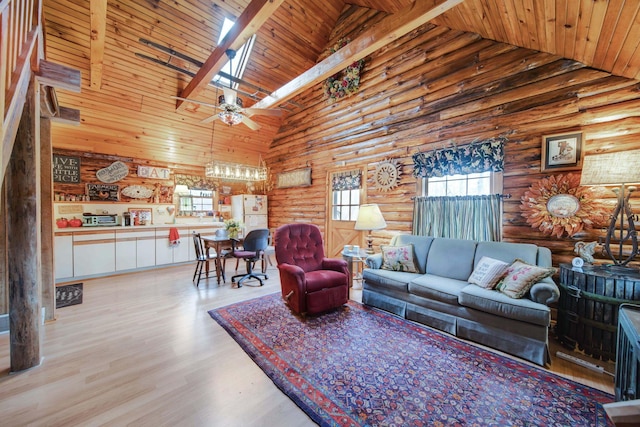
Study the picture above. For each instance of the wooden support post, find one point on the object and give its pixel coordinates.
(46, 217)
(23, 244)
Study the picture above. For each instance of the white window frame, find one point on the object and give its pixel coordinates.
(496, 184)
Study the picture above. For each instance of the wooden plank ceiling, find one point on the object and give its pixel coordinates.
(129, 111)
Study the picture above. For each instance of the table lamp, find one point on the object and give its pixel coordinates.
(370, 218)
(619, 168)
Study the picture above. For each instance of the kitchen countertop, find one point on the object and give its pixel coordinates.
(90, 229)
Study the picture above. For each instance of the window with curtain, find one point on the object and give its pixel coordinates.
(457, 186)
(345, 188)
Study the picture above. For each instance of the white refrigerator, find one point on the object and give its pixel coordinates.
(251, 209)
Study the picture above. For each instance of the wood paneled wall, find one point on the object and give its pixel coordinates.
(91, 163)
(436, 87)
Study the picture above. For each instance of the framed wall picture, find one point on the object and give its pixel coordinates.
(562, 152)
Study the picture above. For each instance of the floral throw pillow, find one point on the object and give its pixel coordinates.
(520, 277)
(488, 272)
(399, 258)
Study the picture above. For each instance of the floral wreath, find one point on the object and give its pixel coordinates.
(558, 205)
(346, 82)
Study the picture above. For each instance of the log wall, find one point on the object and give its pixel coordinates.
(436, 87)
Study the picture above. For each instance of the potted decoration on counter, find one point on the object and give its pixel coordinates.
(233, 227)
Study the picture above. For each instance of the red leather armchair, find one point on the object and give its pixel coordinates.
(310, 282)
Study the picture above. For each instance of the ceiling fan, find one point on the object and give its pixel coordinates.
(230, 108)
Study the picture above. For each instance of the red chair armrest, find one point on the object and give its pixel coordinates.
(335, 264)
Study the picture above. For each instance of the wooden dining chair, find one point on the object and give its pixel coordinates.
(201, 258)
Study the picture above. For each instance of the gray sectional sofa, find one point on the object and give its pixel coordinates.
(440, 296)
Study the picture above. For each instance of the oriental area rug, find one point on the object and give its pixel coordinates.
(357, 366)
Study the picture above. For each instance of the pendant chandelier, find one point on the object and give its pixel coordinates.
(235, 171)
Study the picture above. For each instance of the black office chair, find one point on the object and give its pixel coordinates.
(201, 258)
(253, 246)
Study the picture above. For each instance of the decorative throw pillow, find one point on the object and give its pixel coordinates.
(399, 258)
(520, 277)
(488, 272)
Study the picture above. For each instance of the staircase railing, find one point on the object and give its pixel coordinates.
(20, 31)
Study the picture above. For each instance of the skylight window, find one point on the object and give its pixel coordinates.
(236, 66)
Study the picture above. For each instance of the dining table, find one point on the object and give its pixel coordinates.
(223, 248)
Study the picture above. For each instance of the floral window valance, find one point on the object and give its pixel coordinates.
(350, 180)
(195, 182)
(481, 156)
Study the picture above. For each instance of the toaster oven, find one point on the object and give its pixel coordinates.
(100, 220)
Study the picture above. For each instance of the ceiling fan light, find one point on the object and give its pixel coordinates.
(230, 117)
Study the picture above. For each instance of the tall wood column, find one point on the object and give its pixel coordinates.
(23, 243)
(47, 239)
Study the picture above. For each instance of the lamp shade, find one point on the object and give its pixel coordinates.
(611, 168)
(370, 218)
(181, 189)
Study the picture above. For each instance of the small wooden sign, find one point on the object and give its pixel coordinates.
(103, 192)
(66, 169)
(113, 173)
(296, 178)
(153, 172)
(70, 209)
(67, 295)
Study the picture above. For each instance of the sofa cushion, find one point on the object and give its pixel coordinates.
(437, 288)
(507, 252)
(386, 279)
(421, 245)
(451, 258)
(520, 277)
(494, 302)
(488, 272)
(398, 258)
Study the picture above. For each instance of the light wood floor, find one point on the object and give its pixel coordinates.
(142, 350)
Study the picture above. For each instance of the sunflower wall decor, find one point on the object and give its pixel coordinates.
(559, 206)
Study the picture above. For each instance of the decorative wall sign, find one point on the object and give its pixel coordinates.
(113, 173)
(387, 175)
(67, 295)
(66, 169)
(562, 152)
(103, 192)
(137, 192)
(153, 172)
(296, 178)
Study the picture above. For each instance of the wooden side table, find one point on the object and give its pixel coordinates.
(588, 307)
(357, 258)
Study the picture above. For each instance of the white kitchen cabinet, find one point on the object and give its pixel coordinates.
(63, 255)
(167, 254)
(94, 253)
(146, 248)
(103, 250)
(126, 258)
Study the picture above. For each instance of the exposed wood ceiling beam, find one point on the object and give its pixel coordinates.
(248, 23)
(98, 12)
(379, 35)
(59, 76)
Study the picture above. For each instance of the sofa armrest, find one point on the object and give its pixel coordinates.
(374, 261)
(545, 292)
